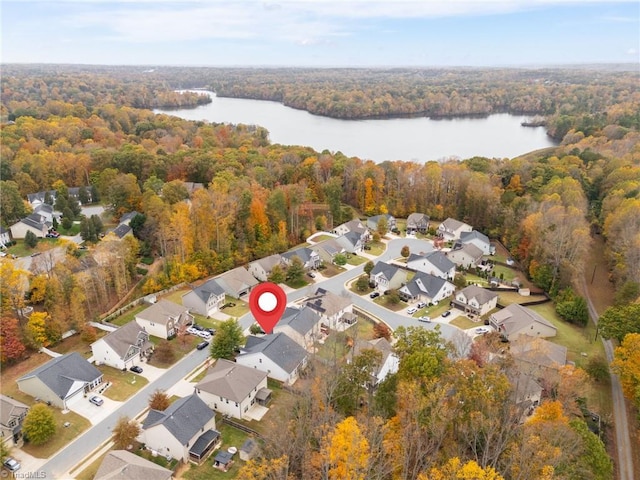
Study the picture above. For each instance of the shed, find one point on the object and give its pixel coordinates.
(223, 460)
(249, 449)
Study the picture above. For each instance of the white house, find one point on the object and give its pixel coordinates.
(61, 380)
(515, 320)
(426, 288)
(328, 249)
(176, 431)
(5, 236)
(435, 263)
(478, 239)
(122, 348)
(352, 226)
(352, 242)
(475, 300)
(451, 229)
(468, 256)
(261, 268)
(389, 362)
(164, 318)
(233, 389)
(206, 299)
(34, 223)
(277, 354)
(310, 259)
(417, 222)
(335, 311)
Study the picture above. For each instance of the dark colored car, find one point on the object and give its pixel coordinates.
(202, 345)
(374, 294)
(367, 247)
(197, 327)
(136, 369)
(447, 313)
(211, 331)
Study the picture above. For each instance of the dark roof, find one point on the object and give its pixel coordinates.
(279, 348)
(302, 320)
(482, 295)
(327, 303)
(40, 196)
(203, 442)
(60, 373)
(440, 261)
(206, 290)
(424, 283)
(183, 419)
(249, 445)
(127, 217)
(303, 253)
(474, 234)
(34, 221)
(124, 337)
(388, 270)
(121, 230)
(223, 457)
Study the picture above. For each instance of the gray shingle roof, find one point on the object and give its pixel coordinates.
(327, 303)
(10, 408)
(124, 337)
(538, 351)
(231, 380)
(236, 280)
(279, 348)
(184, 418)
(514, 318)
(417, 219)
(386, 269)
(474, 234)
(482, 295)
(123, 465)
(121, 230)
(302, 320)
(440, 261)
(451, 224)
(303, 253)
(162, 312)
(424, 283)
(267, 263)
(207, 289)
(60, 374)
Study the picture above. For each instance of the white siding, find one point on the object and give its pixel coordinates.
(264, 364)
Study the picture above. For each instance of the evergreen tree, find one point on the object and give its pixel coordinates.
(227, 339)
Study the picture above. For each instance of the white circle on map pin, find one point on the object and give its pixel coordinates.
(267, 302)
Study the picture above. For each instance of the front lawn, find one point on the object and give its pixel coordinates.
(239, 309)
(181, 347)
(383, 301)
(63, 435)
(377, 248)
(356, 260)
(123, 383)
(330, 270)
(463, 322)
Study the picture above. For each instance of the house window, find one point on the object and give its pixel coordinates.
(260, 360)
(236, 404)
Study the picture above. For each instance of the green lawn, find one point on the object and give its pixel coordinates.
(231, 437)
(507, 273)
(356, 260)
(507, 298)
(464, 323)
(322, 238)
(377, 248)
(335, 345)
(180, 348)
(128, 316)
(240, 308)
(123, 384)
(63, 435)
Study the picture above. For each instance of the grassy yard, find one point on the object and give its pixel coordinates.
(377, 248)
(74, 343)
(123, 384)
(507, 273)
(231, 437)
(464, 322)
(356, 260)
(128, 316)
(382, 300)
(63, 436)
(240, 308)
(322, 238)
(507, 298)
(331, 270)
(335, 345)
(180, 348)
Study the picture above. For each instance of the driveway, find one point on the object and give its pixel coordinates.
(94, 413)
(150, 372)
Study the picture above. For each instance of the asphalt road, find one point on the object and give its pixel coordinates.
(623, 440)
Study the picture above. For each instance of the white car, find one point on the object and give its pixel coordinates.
(425, 318)
(192, 331)
(482, 330)
(203, 334)
(411, 310)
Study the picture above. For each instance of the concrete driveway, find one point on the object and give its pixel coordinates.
(150, 372)
(95, 414)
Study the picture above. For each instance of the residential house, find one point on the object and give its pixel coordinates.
(475, 300)
(372, 222)
(478, 239)
(261, 269)
(515, 320)
(34, 223)
(122, 230)
(277, 354)
(5, 237)
(122, 465)
(334, 310)
(12, 413)
(328, 249)
(526, 392)
(175, 431)
(352, 226)
(417, 222)
(127, 346)
(387, 277)
(352, 242)
(301, 325)
(310, 259)
(232, 389)
(47, 213)
(127, 217)
(61, 380)
(389, 362)
(164, 318)
(206, 299)
(434, 263)
(237, 283)
(79, 192)
(537, 354)
(467, 256)
(451, 229)
(39, 198)
(427, 288)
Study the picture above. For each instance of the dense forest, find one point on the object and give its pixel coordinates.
(90, 126)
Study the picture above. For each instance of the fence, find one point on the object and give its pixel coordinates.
(116, 313)
(240, 426)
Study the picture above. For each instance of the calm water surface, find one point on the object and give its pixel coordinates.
(418, 139)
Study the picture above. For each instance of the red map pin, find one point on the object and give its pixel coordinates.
(267, 303)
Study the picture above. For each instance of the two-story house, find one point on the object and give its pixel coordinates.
(205, 299)
(372, 222)
(426, 288)
(475, 300)
(387, 277)
(163, 319)
(434, 263)
(467, 256)
(12, 413)
(335, 311)
(478, 239)
(515, 320)
(310, 259)
(277, 354)
(261, 268)
(417, 222)
(301, 325)
(451, 229)
(127, 346)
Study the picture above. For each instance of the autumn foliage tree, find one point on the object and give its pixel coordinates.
(11, 346)
(627, 365)
(159, 400)
(125, 432)
(346, 452)
(39, 425)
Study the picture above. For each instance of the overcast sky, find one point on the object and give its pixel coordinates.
(321, 33)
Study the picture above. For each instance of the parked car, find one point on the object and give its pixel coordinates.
(96, 400)
(12, 464)
(205, 335)
(446, 314)
(411, 310)
(52, 235)
(136, 369)
(200, 328)
(311, 274)
(482, 330)
(367, 247)
(202, 345)
(421, 305)
(211, 331)
(374, 294)
(192, 331)
(425, 318)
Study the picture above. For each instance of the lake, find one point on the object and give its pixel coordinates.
(417, 139)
